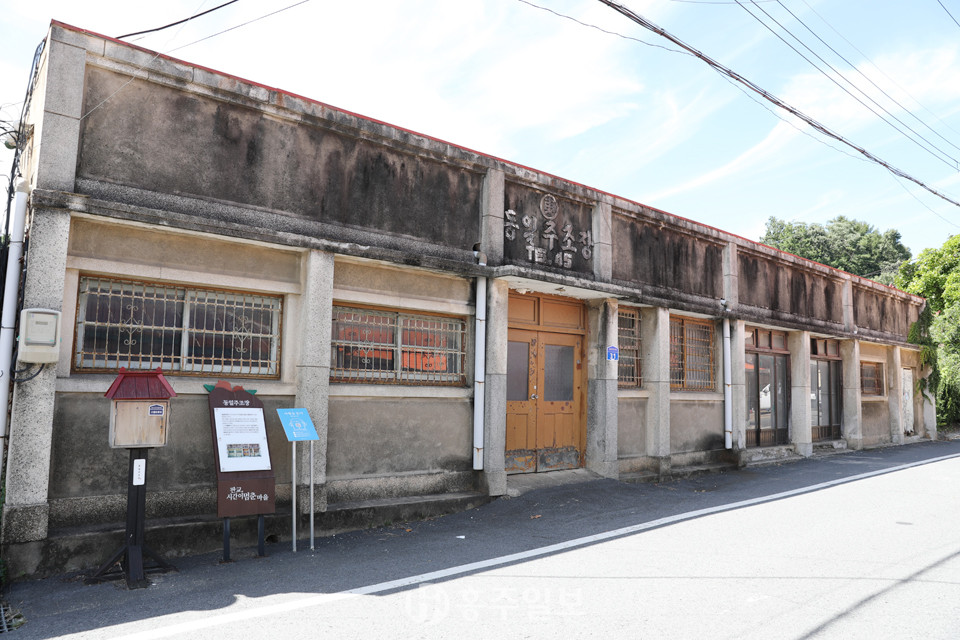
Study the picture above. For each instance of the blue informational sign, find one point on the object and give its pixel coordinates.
(297, 425)
(613, 353)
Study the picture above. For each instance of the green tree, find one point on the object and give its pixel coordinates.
(935, 275)
(851, 245)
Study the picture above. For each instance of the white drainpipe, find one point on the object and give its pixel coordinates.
(10, 295)
(479, 366)
(727, 388)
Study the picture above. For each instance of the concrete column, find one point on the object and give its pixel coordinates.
(491, 217)
(738, 361)
(313, 371)
(25, 510)
(601, 453)
(495, 398)
(59, 98)
(603, 240)
(656, 380)
(852, 426)
(846, 296)
(731, 276)
(894, 386)
(801, 429)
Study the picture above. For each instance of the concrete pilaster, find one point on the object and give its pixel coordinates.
(894, 387)
(603, 241)
(738, 362)
(852, 427)
(59, 100)
(656, 380)
(491, 216)
(495, 397)
(801, 429)
(731, 276)
(313, 371)
(601, 450)
(25, 510)
(846, 296)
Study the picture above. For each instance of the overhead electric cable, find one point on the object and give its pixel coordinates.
(646, 24)
(949, 14)
(940, 154)
(874, 65)
(173, 24)
(865, 76)
(612, 33)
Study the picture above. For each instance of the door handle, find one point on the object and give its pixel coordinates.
(534, 397)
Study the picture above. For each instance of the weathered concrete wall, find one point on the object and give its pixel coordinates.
(160, 139)
(648, 253)
(388, 438)
(767, 284)
(696, 425)
(875, 311)
(88, 479)
(876, 423)
(126, 243)
(631, 419)
(386, 283)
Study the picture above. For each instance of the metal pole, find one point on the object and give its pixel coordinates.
(293, 491)
(311, 497)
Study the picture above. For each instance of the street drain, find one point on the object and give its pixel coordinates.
(10, 620)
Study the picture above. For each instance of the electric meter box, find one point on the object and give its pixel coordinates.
(39, 336)
(139, 409)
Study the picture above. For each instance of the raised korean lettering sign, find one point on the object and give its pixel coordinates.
(548, 238)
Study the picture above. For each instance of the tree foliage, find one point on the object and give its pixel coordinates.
(851, 245)
(935, 275)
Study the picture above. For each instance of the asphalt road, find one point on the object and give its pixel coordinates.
(856, 545)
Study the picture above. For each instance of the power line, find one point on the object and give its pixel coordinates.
(646, 24)
(612, 33)
(173, 24)
(873, 64)
(865, 76)
(942, 155)
(948, 13)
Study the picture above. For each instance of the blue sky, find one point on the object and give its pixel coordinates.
(658, 127)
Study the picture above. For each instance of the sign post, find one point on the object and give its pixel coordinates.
(139, 414)
(246, 484)
(298, 426)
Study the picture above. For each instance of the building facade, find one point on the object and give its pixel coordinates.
(447, 318)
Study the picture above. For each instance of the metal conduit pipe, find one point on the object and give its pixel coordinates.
(479, 365)
(727, 388)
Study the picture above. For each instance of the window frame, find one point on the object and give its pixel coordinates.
(879, 389)
(180, 360)
(400, 352)
(679, 374)
(630, 346)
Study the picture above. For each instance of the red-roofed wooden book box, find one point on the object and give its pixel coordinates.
(140, 409)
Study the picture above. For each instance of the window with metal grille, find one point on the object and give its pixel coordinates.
(629, 370)
(141, 325)
(372, 345)
(691, 354)
(871, 378)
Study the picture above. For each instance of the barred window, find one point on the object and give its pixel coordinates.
(141, 325)
(371, 345)
(871, 378)
(691, 354)
(630, 371)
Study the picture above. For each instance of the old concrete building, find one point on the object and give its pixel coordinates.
(447, 318)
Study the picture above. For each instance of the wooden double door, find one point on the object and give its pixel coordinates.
(544, 401)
